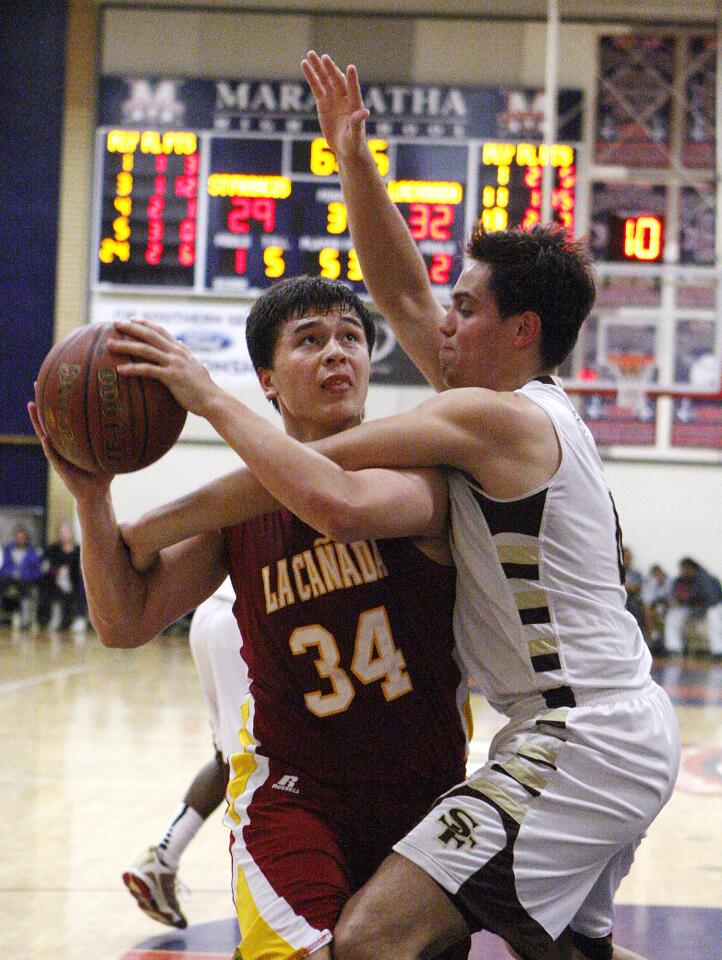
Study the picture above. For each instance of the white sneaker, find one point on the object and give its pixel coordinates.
(153, 885)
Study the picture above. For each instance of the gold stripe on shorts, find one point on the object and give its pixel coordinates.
(242, 765)
(535, 751)
(258, 938)
(501, 797)
(524, 773)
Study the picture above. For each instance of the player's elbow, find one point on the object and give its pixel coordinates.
(349, 522)
(118, 636)
(342, 530)
(336, 526)
(110, 638)
(332, 516)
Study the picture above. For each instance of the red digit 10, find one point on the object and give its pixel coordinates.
(430, 220)
(440, 267)
(243, 209)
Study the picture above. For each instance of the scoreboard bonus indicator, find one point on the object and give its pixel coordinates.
(263, 207)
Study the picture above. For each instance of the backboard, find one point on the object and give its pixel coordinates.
(668, 315)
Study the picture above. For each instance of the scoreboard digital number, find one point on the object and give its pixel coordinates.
(638, 238)
(258, 207)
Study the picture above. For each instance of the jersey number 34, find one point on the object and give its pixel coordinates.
(375, 658)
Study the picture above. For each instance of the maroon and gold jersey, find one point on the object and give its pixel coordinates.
(350, 652)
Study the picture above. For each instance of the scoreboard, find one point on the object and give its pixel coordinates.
(149, 208)
(228, 213)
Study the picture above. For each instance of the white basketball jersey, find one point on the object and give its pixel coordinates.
(540, 607)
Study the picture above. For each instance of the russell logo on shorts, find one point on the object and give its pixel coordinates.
(459, 826)
(287, 784)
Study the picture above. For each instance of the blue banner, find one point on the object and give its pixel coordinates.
(287, 106)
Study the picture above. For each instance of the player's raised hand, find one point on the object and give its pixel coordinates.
(154, 352)
(340, 106)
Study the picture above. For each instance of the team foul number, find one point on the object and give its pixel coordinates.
(375, 658)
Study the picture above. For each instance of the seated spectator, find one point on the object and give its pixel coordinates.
(633, 585)
(655, 593)
(695, 593)
(62, 582)
(19, 572)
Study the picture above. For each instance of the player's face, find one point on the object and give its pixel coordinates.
(320, 373)
(473, 333)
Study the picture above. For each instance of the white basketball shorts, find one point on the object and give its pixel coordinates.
(215, 643)
(540, 837)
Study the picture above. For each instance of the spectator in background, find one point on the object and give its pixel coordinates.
(62, 582)
(20, 571)
(655, 593)
(695, 593)
(633, 586)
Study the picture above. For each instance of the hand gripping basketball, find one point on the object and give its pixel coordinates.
(96, 418)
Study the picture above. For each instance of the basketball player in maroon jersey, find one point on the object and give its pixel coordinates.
(355, 719)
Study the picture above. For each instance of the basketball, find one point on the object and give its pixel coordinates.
(96, 419)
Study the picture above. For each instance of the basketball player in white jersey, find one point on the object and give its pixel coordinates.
(534, 845)
(215, 642)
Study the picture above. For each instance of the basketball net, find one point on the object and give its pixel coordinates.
(633, 372)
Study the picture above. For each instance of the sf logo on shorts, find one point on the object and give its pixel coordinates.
(459, 825)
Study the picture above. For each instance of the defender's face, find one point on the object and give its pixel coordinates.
(472, 332)
(320, 373)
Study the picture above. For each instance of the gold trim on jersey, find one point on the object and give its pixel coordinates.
(530, 599)
(468, 718)
(540, 646)
(526, 553)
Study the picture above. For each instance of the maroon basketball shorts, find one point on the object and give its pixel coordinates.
(300, 848)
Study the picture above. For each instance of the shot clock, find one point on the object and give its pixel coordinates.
(637, 238)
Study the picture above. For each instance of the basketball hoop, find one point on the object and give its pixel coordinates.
(633, 372)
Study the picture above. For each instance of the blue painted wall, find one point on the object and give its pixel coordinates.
(32, 67)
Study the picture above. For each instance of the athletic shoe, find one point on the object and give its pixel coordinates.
(153, 885)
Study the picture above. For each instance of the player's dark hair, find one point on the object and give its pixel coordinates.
(544, 270)
(296, 297)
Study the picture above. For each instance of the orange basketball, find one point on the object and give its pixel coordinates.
(96, 419)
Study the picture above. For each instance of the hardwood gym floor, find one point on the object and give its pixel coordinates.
(99, 745)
